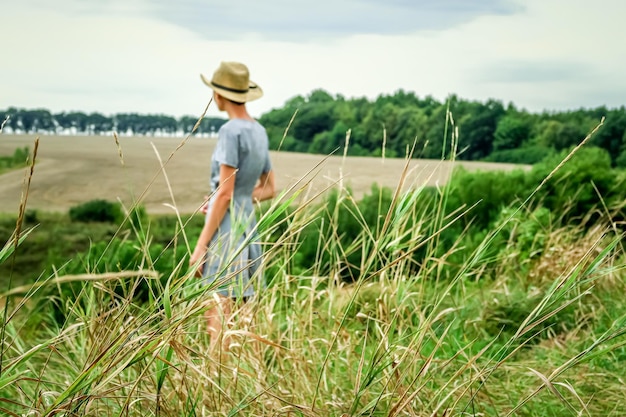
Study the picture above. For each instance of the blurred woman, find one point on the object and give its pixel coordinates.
(228, 254)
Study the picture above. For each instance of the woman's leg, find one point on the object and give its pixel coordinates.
(217, 319)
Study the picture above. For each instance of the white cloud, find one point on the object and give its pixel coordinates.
(286, 20)
(116, 57)
(98, 62)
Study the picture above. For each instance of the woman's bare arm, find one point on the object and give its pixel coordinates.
(266, 187)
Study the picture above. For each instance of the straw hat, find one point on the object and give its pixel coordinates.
(232, 81)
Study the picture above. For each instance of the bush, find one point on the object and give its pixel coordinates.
(582, 185)
(20, 158)
(31, 216)
(96, 211)
(489, 191)
(531, 154)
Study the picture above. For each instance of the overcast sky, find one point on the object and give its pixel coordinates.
(145, 56)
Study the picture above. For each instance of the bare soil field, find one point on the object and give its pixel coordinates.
(75, 169)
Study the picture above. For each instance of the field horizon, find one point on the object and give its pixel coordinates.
(74, 169)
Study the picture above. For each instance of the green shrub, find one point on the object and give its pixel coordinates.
(530, 154)
(31, 216)
(20, 158)
(96, 211)
(580, 186)
(489, 192)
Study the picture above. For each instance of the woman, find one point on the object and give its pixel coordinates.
(227, 253)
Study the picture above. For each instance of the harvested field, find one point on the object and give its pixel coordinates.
(74, 169)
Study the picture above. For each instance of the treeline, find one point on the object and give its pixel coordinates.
(488, 131)
(45, 122)
(319, 122)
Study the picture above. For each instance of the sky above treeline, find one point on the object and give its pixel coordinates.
(145, 56)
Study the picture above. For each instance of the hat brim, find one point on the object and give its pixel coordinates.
(254, 91)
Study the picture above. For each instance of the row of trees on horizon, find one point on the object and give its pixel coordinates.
(488, 131)
(319, 123)
(45, 122)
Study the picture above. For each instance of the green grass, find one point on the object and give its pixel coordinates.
(391, 345)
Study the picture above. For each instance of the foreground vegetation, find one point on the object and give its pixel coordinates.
(496, 295)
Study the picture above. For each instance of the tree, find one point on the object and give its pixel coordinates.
(511, 132)
(478, 130)
(186, 124)
(320, 96)
(328, 142)
(14, 121)
(620, 161)
(78, 121)
(124, 123)
(63, 122)
(27, 120)
(211, 124)
(611, 134)
(556, 134)
(380, 122)
(98, 123)
(435, 144)
(314, 118)
(411, 129)
(276, 122)
(167, 125)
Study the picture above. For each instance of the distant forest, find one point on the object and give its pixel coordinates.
(79, 123)
(319, 123)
